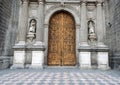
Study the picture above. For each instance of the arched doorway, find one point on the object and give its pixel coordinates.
(61, 42)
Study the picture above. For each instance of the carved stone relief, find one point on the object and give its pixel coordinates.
(91, 11)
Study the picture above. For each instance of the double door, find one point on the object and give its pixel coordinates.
(61, 45)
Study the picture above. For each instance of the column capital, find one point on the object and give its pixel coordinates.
(83, 2)
(40, 1)
(24, 1)
(100, 2)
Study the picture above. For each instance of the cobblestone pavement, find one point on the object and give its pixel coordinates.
(59, 77)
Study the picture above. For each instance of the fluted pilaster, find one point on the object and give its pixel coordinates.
(40, 26)
(100, 28)
(23, 21)
(83, 29)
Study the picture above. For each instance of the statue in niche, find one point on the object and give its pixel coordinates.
(91, 31)
(32, 30)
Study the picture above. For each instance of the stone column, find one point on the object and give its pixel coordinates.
(84, 54)
(102, 54)
(100, 28)
(83, 29)
(38, 50)
(23, 22)
(40, 23)
(19, 48)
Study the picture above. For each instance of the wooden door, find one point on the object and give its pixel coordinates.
(61, 45)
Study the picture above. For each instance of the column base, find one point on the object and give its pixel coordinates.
(39, 43)
(85, 66)
(17, 66)
(101, 44)
(83, 44)
(20, 43)
(104, 67)
(36, 66)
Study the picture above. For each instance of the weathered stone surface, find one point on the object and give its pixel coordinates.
(9, 14)
(113, 31)
(8, 25)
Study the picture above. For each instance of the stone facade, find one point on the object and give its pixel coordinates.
(31, 50)
(9, 25)
(113, 32)
(4, 22)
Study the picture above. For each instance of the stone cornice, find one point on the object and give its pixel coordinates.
(41, 1)
(74, 1)
(99, 1)
(25, 1)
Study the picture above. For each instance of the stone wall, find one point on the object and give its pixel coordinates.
(9, 14)
(113, 31)
(5, 12)
(8, 25)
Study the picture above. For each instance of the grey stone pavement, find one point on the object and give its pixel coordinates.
(59, 76)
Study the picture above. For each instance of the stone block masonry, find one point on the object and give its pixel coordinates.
(113, 31)
(5, 12)
(7, 28)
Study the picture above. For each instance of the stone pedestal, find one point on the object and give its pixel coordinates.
(103, 62)
(85, 60)
(37, 57)
(19, 58)
(85, 57)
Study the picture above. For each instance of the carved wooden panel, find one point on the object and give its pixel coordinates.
(61, 47)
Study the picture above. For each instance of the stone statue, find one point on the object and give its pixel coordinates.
(91, 27)
(32, 30)
(32, 26)
(91, 31)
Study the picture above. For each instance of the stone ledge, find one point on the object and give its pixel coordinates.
(93, 49)
(69, 1)
(29, 47)
(17, 66)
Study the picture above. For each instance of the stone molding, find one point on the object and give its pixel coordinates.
(41, 1)
(25, 1)
(31, 47)
(55, 8)
(74, 1)
(93, 49)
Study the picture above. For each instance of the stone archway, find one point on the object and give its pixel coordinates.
(61, 42)
(49, 13)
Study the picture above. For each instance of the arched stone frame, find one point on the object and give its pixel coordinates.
(48, 16)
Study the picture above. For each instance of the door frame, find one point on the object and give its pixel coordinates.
(75, 15)
(74, 35)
